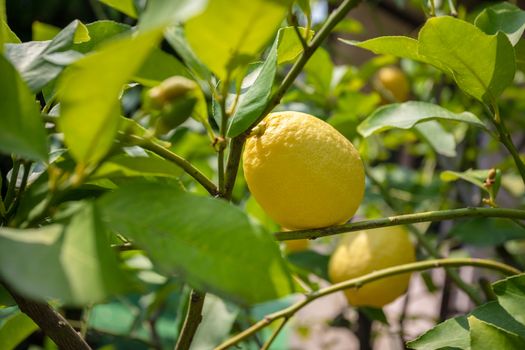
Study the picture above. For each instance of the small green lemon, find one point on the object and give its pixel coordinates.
(392, 82)
(360, 253)
(302, 171)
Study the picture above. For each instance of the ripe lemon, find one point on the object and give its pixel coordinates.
(392, 82)
(296, 245)
(363, 252)
(302, 171)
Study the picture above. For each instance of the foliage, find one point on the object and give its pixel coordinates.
(103, 212)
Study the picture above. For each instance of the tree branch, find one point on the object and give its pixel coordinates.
(405, 219)
(361, 281)
(192, 320)
(53, 324)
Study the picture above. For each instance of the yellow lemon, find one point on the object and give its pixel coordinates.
(392, 82)
(296, 245)
(363, 252)
(302, 171)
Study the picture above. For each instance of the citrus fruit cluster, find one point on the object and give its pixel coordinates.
(305, 175)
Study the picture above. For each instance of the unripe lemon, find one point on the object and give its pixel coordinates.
(360, 253)
(302, 171)
(391, 81)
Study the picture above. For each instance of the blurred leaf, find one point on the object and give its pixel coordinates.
(349, 26)
(374, 314)
(175, 37)
(511, 296)
(484, 336)
(160, 13)
(7, 35)
(159, 66)
(227, 37)
(289, 46)
(31, 58)
(217, 320)
(71, 262)
(311, 261)
(124, 165)
(319, 70)
(520, 55)
(14, 329)
(3, 26)
(503, 17)
(407, 115)
(99, 32)
(439, 139)
(125, 6)
(483, 66)
(487, 231)
(43, 31)
(89, 91)
(21, 128)
(192, 236)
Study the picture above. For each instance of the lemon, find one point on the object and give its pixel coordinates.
(296, 245)
(392, 82)
(363, 252)
(302, 171)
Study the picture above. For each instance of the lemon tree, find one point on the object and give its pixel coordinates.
(191, 174)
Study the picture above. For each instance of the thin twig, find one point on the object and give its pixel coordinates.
(52, 323)
(167, 154)
(192, 320)
(274, 335)
(11, 189)
(23, 185)
(429, 216)
(361, 281)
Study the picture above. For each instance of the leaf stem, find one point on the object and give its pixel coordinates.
(361, 281)
(506, 140)
(192, 320)
(177, 160)
(429, 216)
(12, 183)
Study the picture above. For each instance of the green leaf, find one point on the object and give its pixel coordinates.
(124, 165)
(176, 38)
(89, 92)
(160, 13)
(439, 139)
(312, 262)
(482, 65)
(476, 177)
(407, 115)
(319, 70)
(217, 320)
(209, 242)
(159, 66)
(487, 231)
(43, 31)
(511, 296)
(503, 17)
(99, 32)
(227, 37)
(520, 55)
(34, 59)
(485, 336)
(14, 329)
(452, 333)
(125, 6)
(493, 313)
(290, 47)
(8, 35)
(21, 128)
(374, 314)
(71, 262)
(253, 102)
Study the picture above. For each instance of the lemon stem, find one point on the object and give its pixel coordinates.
(361, 281)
